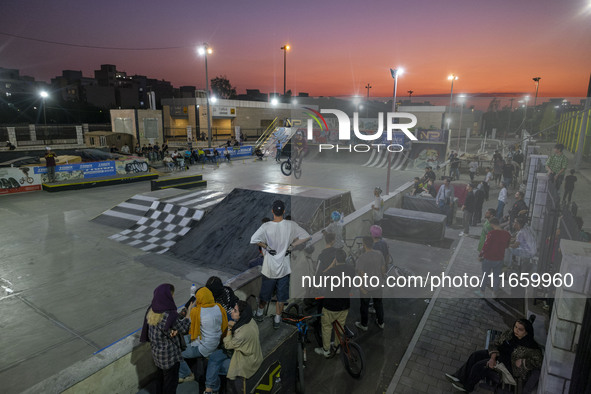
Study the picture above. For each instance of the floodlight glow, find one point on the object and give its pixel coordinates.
(201, 51)
(399, 71)
(452, 77)
(213, 99)
(43, 94)
(274, 101)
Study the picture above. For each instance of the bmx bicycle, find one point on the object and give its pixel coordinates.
(295, 166)
(351, 354)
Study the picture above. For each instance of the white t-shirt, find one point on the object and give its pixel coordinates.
(278, 236)
(503, 195)
(488, 177)
(379, 213)
(473, 166)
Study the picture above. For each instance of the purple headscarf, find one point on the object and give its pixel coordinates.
(162, 302)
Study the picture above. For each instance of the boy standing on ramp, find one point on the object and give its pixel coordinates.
(278, 237)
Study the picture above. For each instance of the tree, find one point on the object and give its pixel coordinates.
(221, 87)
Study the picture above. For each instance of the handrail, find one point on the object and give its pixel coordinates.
(263, 138)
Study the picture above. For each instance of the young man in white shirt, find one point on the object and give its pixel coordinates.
(277, 237)
(502, 200)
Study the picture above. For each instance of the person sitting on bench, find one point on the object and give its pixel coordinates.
(242, 355)
(209, 323)
(516, 349)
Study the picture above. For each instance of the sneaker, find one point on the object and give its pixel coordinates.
(451, 378)
(189, 378)
(459, 388)
(360, 326)
(258, 318)
(372, 310)
(380, 325)
(462, 234)
(322, 352)
(479, 293)
(276, 324)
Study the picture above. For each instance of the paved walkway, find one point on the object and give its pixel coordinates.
(455, 323)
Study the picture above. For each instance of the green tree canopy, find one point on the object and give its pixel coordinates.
(221, 87)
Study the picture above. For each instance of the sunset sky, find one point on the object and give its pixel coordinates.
(337, 46)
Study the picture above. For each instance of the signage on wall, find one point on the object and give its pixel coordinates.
(219, 110)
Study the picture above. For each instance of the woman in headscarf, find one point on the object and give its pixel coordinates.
(516, 349)
(243, 340)
(223, 295)
(162, 328)
(209, 323)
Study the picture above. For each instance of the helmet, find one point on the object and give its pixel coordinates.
(377, 190)
(335, 216)
(375, 231)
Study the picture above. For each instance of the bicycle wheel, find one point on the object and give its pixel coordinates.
(353, 359)
(286, 168)
(300, 387)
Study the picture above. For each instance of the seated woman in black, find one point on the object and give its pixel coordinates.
(515, 348)
(223, 295)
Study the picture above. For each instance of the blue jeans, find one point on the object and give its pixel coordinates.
(496, 267)
(217, 365)
(278, 155)
(189, 352)
(500, 208)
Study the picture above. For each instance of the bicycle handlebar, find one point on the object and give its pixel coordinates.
(296, 319)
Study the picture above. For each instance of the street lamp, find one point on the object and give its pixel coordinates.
(461, 100)
(44, 95)
(395, 74)
(537, 81)
(205, 50)
(451, 78)
(368, 86)
(285, 48)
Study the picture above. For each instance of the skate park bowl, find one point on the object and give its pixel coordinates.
(126, 366)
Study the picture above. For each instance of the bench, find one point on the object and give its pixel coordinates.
(416, 225)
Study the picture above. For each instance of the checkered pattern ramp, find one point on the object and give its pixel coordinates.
(160, 228)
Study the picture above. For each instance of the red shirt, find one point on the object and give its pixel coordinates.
(494, 246)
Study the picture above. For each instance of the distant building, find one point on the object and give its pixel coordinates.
(248, 118)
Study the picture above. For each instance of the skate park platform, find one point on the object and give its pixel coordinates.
(85, 291)
(222, 239)
(75, 184)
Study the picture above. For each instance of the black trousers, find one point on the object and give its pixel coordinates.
(568, 193)
(477, 217)
(168, 379)
(377, 304)
(474, 370)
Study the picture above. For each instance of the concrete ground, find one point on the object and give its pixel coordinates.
(67, 291)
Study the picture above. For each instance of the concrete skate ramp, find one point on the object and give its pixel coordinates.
(221, 240)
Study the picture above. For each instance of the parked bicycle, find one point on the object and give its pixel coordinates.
(291, 315)
(351, 353)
